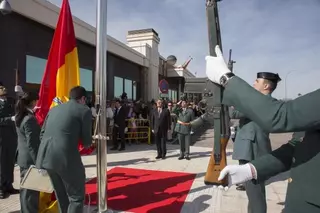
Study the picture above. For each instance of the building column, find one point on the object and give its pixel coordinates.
(146, 41)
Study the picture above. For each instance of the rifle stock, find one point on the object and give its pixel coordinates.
(214, 168)
(213, 94)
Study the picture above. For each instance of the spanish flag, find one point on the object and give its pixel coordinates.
(62, 69)
(61, 74)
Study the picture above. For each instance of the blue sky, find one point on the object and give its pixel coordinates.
(266, 36)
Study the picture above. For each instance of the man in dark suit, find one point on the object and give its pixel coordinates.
(120, 116)
(8, 145)
(58, 153)
(160, 124)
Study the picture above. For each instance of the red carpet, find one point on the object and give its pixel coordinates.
(144, 191)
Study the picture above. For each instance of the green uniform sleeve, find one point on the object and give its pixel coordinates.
(32, 131)
(235, 114)
(270, 114)
(176, 110)
(278, 161)
(87, 128)
(43, 128)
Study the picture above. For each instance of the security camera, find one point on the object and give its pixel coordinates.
(5, 7)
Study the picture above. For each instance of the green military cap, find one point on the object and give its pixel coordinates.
(274, 77)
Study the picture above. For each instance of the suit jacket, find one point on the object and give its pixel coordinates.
(28, 141)
(251, 141)
(8, 141)
(302, 158)
(64, 126)
(185, 117)
(160, 123)
(120, 117)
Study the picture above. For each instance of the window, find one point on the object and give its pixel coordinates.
(128, 88)
(35, 69)
(86, 79)
(172, 95)
(118, 87)
(134, 97)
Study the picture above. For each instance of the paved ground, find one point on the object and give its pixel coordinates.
(201, 198)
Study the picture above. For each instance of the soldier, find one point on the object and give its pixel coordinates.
(253, 142)
(28, 131)
(183, 128)
(8, 145)
(276, 116)
(58, 153)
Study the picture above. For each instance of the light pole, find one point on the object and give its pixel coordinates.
(285, 83)
(5, 7)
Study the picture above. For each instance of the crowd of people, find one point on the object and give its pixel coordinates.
(129, 120)
(54, 147)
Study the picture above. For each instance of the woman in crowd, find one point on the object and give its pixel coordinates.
(28, 131)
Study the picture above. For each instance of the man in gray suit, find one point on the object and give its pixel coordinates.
(58, 153)
(252, 142)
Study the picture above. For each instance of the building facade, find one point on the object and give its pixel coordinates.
(25, 41)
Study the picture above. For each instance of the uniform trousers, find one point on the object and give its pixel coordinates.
(184, 141)
(256, 195)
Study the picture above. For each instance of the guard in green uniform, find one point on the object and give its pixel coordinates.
(253, 142)
(302, 159)
(8, 145)
(28, 131)
(58, 153)
(183, 128)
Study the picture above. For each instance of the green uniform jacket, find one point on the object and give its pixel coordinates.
(303, 159)
(8, 142)
(251, 141)
(28, 141)
(185, 117)
(64, 127)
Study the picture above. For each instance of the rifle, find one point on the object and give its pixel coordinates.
(221, 120)
(230, 62)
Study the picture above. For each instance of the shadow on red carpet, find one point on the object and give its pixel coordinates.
(143, 191)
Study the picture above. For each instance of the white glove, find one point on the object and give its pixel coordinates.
(18, 89)
(216, 67)
(13, 118)
(152, 131)
(238, 173)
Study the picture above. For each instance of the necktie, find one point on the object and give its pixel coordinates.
(159, 111)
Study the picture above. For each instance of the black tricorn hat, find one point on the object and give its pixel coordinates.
(274, 77)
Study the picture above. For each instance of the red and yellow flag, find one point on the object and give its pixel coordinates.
(61, 74)
(62, 69)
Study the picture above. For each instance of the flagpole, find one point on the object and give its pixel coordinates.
(101, 96)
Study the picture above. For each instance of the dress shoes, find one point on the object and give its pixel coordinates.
(181, 157)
